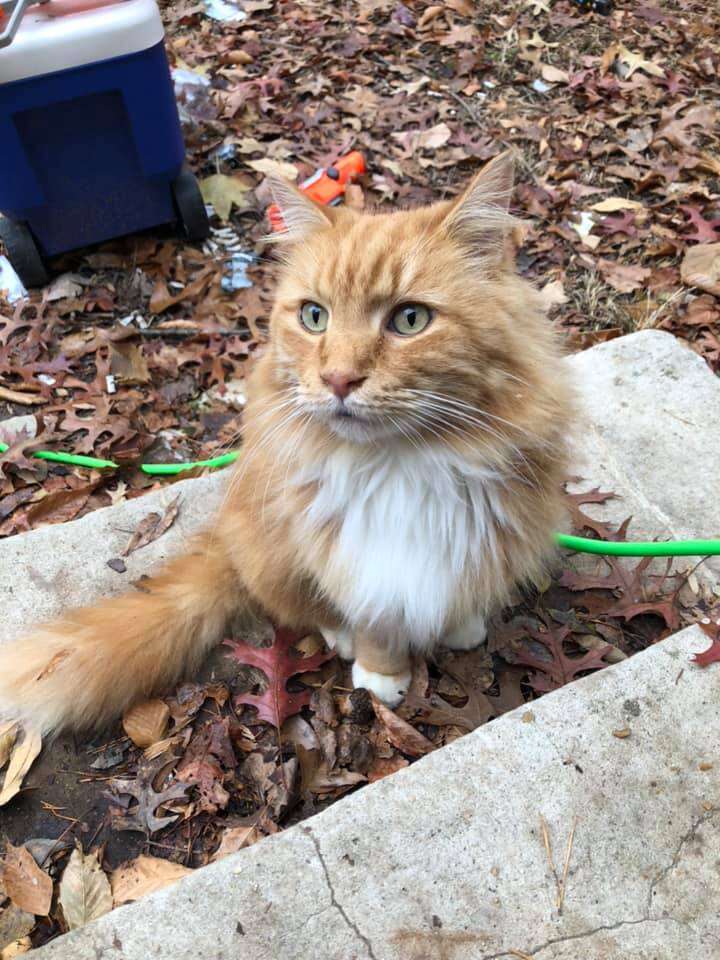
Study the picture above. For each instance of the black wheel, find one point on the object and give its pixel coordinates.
(190, 206)
(22, 252)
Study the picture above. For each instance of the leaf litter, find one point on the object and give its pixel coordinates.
(139, 349)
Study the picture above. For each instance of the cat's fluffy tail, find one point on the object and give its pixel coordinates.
(84, 670)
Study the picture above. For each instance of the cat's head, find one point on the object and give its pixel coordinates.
(397, 323)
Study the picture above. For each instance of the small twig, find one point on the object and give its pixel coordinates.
(566, 867)
(548, 850)
(520, 954)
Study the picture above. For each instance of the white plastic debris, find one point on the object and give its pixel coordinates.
(10, 282)
(110, 383)
(192, 93)
(225, 11)
(237, 278)
(540, 86)
(585, 224)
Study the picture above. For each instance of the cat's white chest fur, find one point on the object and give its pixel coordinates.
(411, 526)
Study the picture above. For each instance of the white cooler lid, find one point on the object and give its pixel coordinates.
(45, 44)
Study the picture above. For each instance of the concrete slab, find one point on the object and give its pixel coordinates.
(48, 571)
(445, 860)
(651, 433)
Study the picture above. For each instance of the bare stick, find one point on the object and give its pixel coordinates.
(566, 867)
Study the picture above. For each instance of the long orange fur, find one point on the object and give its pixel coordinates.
(488, 349)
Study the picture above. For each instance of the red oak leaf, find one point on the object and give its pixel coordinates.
(553, 667)
(706, 231)
(712, 654)
(279, 663)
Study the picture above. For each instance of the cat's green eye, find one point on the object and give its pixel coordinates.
(314, 317)
(410, 319)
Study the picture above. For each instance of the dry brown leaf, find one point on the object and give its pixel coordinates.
(623, 278)
(142, 876)
(23, 757)
(85, 891)
(554, 74)
(128, 363)
(629, 62)
(15, 924)
(8, 736)
(428, 15)
(553, 295)
(400, 733)
(29, 887)
(384, 767)
(146, 723)
(613, 204)
(61, 505)
(25, 399)
(236, 838)
(16, 948)
(152, 526)
(701, 267)
(223, 191)
(274, 168)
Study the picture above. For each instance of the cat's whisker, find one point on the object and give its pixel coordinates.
(456, 429)
(463, 405)
(286, 452)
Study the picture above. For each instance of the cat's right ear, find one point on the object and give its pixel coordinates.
(480, 218)
(301, 216)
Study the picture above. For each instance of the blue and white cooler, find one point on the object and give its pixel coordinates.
(90, 140)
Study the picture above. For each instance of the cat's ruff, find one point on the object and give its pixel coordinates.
(411, 524)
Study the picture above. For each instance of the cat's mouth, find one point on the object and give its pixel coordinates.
(352, 423)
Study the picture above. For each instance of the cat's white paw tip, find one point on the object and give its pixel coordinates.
(468, 637)
(390, 688)
(340, 641)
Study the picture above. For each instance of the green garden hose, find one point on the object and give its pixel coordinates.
(651, 548)
(606, 548)
(154, 469)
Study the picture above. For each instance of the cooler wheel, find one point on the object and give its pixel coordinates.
(190, 206)
(22, 252)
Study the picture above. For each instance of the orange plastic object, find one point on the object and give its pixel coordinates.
(325, 186)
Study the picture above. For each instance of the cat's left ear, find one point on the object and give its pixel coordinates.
(480, 217)
(301, 216)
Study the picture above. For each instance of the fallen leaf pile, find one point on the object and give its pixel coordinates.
(138, 351)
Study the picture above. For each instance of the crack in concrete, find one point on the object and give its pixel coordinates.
(647, 918)
(583, 935)
(334, 900)
(685, 838)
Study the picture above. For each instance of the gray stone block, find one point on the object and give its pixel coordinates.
(649, 430)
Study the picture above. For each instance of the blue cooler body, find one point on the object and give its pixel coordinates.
(90, 140)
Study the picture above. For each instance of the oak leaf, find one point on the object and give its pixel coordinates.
(279, 664)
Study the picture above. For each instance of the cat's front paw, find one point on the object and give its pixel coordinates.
(390, 688)
(340, 641)
(467, 637)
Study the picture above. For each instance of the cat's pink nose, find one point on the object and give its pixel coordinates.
(341, 382)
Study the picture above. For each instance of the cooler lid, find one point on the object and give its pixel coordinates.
(61, 34)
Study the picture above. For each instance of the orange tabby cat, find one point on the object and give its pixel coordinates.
(404, 446)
